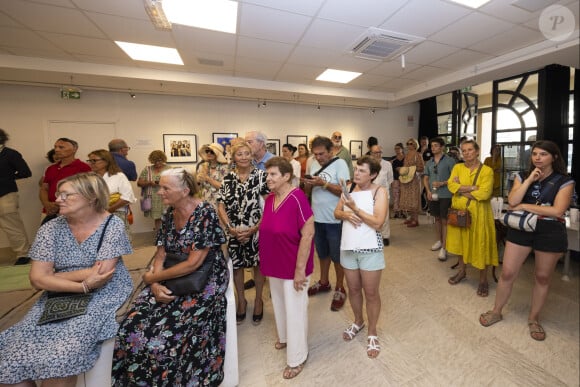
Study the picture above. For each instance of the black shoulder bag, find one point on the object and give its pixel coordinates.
(61, 306)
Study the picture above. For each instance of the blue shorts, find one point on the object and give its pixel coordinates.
(327, 240)
(362, 261)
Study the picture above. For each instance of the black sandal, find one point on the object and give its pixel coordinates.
(457, 278)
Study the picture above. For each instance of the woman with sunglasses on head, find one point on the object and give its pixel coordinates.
(79, 253)
(410, 197)
(545, 190)
(149, 183)
(177, 340)
(212, 171)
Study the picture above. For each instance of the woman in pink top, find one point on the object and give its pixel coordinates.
(286, 256)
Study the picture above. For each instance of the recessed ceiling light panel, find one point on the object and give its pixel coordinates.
(338, 76)
(149, 53)
(216, 15)
(471, 3)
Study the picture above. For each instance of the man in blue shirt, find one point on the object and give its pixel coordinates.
(437, 172)
(257, 141)
(120, 150)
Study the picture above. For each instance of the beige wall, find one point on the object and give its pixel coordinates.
(29, 115)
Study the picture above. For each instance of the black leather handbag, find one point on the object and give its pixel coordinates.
(194, 282)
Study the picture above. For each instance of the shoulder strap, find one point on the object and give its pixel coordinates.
(326, 166)
(103, 232)
(474, 181)
(549, 187)
(352, 187)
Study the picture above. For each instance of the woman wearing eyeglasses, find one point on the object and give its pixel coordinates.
(212, 171)
(79, 253)
(398, 161)
(149, 183)
(410, 197)
(545, 189)
(103, 163)
(177, 340)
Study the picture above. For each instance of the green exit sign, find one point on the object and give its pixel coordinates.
(70, 94)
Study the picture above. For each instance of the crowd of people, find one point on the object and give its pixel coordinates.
(267, 215)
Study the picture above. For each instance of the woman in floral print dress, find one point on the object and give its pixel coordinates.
(168, 340)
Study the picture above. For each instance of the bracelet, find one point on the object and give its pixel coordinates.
(86, 288)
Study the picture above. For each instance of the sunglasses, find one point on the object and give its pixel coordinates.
(410, 143)
(93, 161)
(209, 152)
(337, 137)
(435, 169)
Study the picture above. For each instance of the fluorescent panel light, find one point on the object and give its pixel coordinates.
(471, 3)
(149, 53)
(217, 15)
(338, 76)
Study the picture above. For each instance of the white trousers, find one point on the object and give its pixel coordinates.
(231, 370)
(291, 315)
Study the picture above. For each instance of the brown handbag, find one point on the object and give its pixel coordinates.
(459, 217)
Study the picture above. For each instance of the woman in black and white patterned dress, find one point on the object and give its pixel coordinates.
(240, 210)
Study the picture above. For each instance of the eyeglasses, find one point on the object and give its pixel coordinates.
(64, 195)
(127, 147)
(410, 143)
(337, 137)
(209, 152)
(377, 153)
(92, 161)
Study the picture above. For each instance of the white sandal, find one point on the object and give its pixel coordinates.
(350, 332)
(373, 345)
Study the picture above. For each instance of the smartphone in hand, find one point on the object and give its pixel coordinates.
(344, 189)
(308, 176)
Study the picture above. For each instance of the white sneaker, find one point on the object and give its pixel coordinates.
(442, 255)
(436, 246)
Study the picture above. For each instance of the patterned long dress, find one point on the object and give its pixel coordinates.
(181, 343)
(70, 347)
(157, 206)
(410, 195)
(242, 204)
(209, 192)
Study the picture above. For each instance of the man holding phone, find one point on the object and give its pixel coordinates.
(322, 181)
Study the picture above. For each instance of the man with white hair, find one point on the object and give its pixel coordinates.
(385, 178)
(340, 151)
(257, 142)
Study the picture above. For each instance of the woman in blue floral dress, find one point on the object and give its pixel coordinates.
(66, 258)
(240, 210)
(168, 340)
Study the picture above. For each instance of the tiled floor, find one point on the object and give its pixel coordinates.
(429, 330)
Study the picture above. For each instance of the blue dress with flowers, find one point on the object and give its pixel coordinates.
(181, 343)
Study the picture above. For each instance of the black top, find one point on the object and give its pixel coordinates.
(12, 167)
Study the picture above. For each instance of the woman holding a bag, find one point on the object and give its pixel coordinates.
(151, 203)
(545, 190)
(78, 253)
(177, 340)
(410, 196)
(471, 184)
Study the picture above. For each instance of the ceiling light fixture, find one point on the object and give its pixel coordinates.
(338, 76)
(471, 3)
(149, 53)
(216, 15)
(155, 11)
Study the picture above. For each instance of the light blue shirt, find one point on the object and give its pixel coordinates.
(323, 201)
(440, 172)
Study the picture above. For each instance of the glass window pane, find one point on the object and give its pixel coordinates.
(507, 119)
(444, 103)
(571, 133)
(570, 151)
(531, 135)
(444, 124)
(512, 136)
(571, 110)
(530, 119)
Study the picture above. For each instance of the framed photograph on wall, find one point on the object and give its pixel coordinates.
(273, 146)
(224, 140)
(355, 149)
(297, 140)
(180, 148)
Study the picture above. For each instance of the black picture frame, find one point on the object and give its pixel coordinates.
(296, 140)
(273, 146)
(180, 148)
(356, 148)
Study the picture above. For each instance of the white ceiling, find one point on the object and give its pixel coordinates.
(280, 48)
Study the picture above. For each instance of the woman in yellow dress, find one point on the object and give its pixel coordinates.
(475, 244)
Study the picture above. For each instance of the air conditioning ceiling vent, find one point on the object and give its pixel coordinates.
(382, 45)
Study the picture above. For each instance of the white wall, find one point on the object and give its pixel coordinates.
(26, 114)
